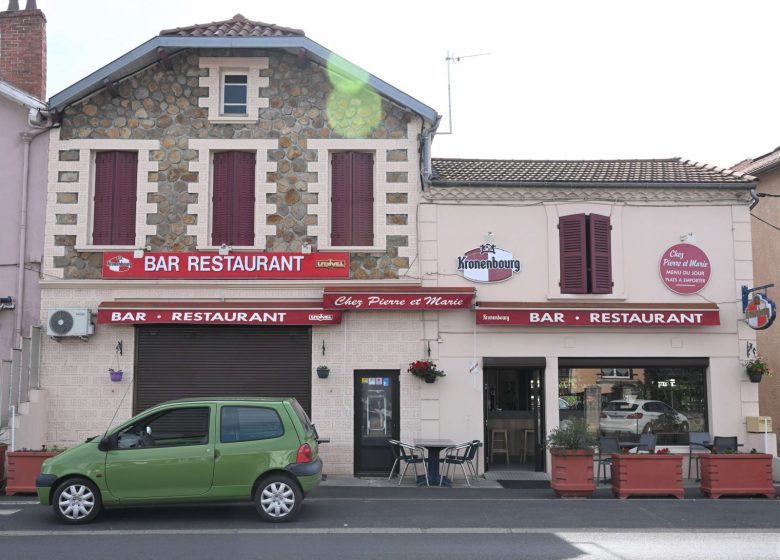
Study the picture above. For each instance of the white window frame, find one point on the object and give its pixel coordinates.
(218, 67)
(223, 93)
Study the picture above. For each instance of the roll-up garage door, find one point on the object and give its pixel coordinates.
(174, 362)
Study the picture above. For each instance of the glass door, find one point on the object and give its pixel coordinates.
(377, 413)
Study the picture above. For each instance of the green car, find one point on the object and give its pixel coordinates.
(191, 450)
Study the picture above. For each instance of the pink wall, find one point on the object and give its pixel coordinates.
(14, 119)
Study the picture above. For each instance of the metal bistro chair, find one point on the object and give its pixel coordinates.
(647, 443)
(696, 442)
(457, 455)
(472, 455)
(607, 446)
(724, 444)
(409, 454)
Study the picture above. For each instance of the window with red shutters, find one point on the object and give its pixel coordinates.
(352, 199)
(116, 184)
(233, 199)
(586, 254)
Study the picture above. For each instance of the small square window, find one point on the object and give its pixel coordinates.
(234, 94)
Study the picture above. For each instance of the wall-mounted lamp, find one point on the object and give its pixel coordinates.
(306, 247)
(225, 249)
(7, 302)
(689, 237)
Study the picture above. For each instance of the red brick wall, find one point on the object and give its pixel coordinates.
(23, 50)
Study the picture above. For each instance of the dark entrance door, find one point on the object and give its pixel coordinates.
(377, 415)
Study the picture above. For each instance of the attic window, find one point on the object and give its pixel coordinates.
(234, 94)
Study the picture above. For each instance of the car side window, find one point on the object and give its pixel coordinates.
(171, 428)
(249, 423)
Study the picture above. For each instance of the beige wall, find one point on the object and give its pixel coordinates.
(766, 263)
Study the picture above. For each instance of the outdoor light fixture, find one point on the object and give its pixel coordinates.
(224, 249)
(689, 237)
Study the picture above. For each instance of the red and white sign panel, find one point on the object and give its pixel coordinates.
(559, 317)
(399, 300)
(210, 265)
(213, 313)
(760, 312)
(685, 269)
(487, 263)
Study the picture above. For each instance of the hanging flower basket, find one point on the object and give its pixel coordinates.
(323, 372)
(757, 368)
(116, 375)
(426, 370)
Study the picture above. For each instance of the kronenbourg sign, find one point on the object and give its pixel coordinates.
(488, 263)
(760, 312)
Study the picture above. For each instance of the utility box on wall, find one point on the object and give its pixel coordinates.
(759, 424)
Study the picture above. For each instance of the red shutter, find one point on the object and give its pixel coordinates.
(104, 198)
(125, 189)
(574, 279)
(223, 179)
(340, 199)
(243, 211)
(362, 198)
(600, 239)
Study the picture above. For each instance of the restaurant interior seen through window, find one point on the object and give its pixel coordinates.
(667, 400)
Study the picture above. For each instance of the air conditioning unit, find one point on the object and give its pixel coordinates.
(70, 322)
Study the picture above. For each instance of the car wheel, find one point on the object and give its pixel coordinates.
(77, 501)
(278, 498)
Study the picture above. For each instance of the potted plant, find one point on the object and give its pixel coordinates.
(643, 474)
(323, 372)
(115, 374)
(736, 473)
(426, 370)
(23, 468)
(571, 450)
(756, 368)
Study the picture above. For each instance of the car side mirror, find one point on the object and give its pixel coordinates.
(108, 443)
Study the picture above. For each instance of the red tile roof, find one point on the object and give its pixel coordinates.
(660, 171)
(759, 164)
(238, 26)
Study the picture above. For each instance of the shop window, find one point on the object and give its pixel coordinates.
(666, 401)
(586, 254)
(115, 187)
(352, 199)
(233, 200)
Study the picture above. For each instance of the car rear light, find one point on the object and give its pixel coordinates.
(634, 416)
(304, 454)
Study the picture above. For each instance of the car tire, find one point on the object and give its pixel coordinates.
(77, 501)
(278, 498)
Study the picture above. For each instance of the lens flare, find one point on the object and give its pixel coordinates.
(354, 110)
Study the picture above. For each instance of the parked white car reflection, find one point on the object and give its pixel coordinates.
(639, 416)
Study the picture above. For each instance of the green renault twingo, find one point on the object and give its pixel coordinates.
(191, 450)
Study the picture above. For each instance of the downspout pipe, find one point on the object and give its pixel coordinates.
(754, 196)
(27, 138)
(425, 152)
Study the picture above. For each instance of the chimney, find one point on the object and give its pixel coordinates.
(23, 48)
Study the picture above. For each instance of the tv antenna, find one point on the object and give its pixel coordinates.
(451, 58)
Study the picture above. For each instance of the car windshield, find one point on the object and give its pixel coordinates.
(621, 406)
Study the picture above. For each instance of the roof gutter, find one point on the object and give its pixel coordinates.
(583, 184)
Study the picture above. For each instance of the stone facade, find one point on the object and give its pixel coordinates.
(304, 118)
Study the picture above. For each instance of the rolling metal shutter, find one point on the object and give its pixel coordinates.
(174, 362)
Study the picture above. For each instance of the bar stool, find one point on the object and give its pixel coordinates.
(499, 443)
(526, 432)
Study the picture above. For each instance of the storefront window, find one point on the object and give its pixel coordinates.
(626, 402)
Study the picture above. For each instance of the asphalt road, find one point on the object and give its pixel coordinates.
(396, 523)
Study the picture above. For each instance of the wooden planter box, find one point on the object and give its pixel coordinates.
(738, 473)
(23, 468)
(572, 473)
(648, 474)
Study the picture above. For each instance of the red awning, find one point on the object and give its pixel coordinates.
(600, 314)
(217, 312)
(404, 298)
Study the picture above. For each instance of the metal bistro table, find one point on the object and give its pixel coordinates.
(434, 447)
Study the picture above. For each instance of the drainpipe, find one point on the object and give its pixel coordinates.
(754, 196)
(27, 138)
(425, 153)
